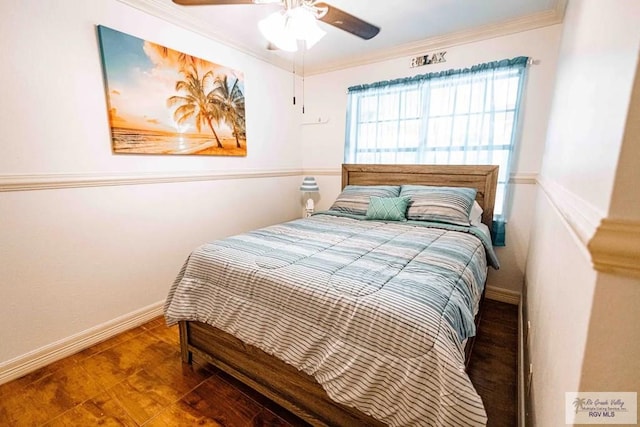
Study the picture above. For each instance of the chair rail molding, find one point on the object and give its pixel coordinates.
(525, 178)
(50, 181)
(581, 216)
(615, 247)
(78, 180)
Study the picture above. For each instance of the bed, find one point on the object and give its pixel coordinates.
(340, 372)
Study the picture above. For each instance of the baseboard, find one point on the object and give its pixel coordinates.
(22, 365)
(521, 375)
(503, 295)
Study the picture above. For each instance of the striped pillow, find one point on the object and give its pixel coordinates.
(354, 199)
(449, 205)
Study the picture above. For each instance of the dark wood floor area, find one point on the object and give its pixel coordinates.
(137, 379)
(493, 366)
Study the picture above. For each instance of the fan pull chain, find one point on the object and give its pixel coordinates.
(294, 80)
(303, 81)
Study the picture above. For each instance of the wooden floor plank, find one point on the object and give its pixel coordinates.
(493, 367)
(137, 378)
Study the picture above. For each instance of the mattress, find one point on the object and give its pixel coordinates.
(377, 312)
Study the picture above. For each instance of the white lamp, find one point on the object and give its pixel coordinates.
(285, 28)
(309, 185)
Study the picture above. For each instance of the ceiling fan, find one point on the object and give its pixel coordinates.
(300, 11)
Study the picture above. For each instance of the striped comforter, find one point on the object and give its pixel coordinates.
(376, 312)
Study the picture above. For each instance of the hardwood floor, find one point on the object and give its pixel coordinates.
(493, 366)
(137, 378)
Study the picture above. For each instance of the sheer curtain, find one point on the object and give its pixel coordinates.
(464, 116)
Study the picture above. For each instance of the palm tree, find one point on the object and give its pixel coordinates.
(195, 103)
(181, 59)
(227, 103)
(579, 403)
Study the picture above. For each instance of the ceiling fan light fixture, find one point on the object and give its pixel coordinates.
(319, 10)
(285, 28)
(274, 29)
(304, 26)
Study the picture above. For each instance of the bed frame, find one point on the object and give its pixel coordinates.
(282, 383)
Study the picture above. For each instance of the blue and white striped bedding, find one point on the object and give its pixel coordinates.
(376, 312)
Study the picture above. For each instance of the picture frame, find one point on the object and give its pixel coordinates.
(163, 101)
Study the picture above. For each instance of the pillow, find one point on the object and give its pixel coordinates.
(450, 205)
(388, 208)
(475, 216)
(354, 199)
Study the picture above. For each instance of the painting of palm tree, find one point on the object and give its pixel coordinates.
(228, 101)
(194, 104)
(162, 101)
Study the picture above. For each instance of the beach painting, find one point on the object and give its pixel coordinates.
(162, 101)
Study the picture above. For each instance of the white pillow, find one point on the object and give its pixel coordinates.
(475, 214)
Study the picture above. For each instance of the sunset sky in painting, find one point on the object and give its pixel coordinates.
(139, 81)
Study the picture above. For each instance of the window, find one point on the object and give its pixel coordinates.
(464, 116)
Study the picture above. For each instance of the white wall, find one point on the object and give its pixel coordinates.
(72, 259)
(584, 324)
(326, 95)
(584, 135)
(560, 284)
(625, 202)
(611, 361)
(52, 74)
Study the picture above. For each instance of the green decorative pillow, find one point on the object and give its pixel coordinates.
(388, 208)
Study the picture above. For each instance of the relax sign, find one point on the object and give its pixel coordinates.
(434, 58)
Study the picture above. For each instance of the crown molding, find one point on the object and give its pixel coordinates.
(505, 28)
(615, 247)
(175, 15)
(79, 180)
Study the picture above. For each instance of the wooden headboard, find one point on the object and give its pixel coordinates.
(483, 178)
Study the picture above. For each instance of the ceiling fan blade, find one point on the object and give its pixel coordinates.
(347, 22)
(210, 2)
